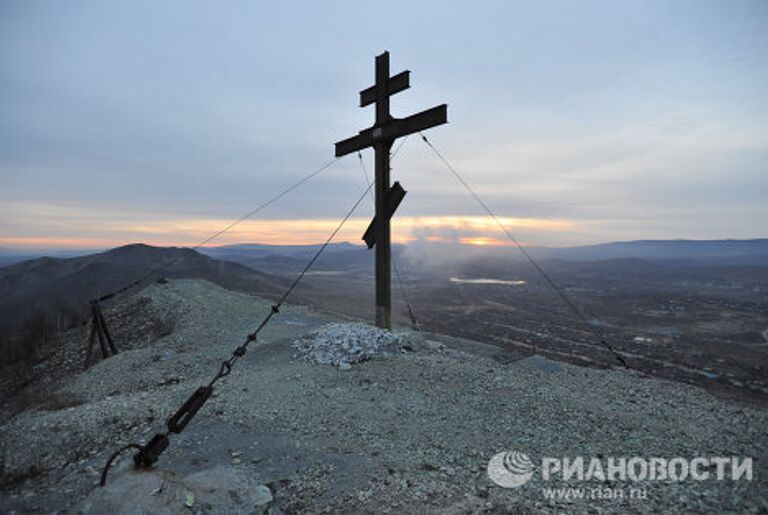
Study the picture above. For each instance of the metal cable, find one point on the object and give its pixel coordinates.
(414, 322)
(402, 142)
(327, 242)
(368, 181)
(150, 452)
(112, 458)
(215, 235)
(598, 334)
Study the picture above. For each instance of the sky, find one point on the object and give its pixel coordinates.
(577, 122)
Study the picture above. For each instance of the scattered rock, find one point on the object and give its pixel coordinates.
(189, 499)
(262, 495)
(433, 345)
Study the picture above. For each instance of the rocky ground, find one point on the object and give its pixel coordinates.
(344, 419)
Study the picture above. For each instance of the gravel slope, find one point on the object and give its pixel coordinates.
(407, 432)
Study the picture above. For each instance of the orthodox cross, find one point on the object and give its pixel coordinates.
(381, 137)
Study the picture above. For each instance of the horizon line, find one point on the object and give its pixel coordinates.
(463, 242)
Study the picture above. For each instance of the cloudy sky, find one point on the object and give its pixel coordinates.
(578, 121)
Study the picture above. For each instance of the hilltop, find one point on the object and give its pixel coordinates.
(407, 432)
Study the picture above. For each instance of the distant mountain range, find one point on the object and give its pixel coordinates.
(752, 251)
(10, 256)
(48, 283)
(51, 284)
(709, 251)
(286, 258)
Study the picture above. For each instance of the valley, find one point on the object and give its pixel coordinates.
(700, 323)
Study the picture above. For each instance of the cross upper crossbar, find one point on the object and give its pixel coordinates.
(395, 84)
(394, 129)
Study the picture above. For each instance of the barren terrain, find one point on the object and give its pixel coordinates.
(407, 432)
(702, 325)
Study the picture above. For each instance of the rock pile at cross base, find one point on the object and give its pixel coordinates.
(394, 423)
(343, 345)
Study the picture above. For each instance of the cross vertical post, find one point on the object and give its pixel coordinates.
(381, 137)
(383, 231)
(383, 238)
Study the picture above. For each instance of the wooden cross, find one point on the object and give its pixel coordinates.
(381, 137)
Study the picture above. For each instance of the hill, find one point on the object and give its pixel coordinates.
(52, 285)
(712, 252)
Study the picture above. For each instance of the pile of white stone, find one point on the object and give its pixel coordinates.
(342, 345)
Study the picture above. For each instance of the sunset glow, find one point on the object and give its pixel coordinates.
(477, 231)
(112, 134)
(482, 241)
